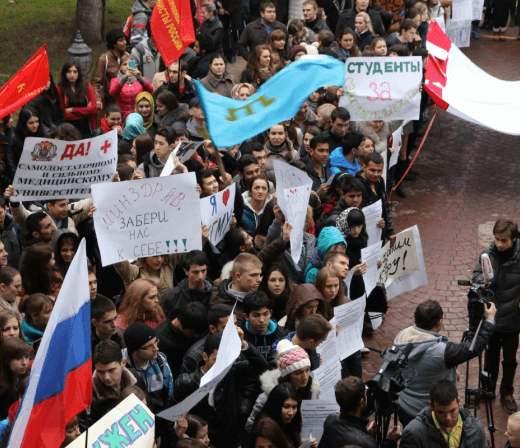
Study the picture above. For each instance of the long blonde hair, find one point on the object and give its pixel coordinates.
(131, 304)
(368, 22)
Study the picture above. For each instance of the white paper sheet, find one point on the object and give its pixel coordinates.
(329, 373)
(314, 414)
(396, 138)
(350, 320)
(370, 255)
(373, 214)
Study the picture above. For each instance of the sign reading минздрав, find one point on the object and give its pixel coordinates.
(57, 169)
(382, 88)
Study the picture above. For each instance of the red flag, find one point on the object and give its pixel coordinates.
(172, 28)
(28, 82)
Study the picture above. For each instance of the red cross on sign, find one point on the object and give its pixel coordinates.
(105, 146)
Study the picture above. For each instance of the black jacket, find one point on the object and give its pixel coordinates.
(255, 34)
(201, 67)
(329, 220)
(339, 431)
(193, 356)
(422, 432)
(313, 174)
(216, 30)
(348, 18)
(264, 342)
(333, 140)
(181, 295)
(223, 296)
(234, 396)
(11, 242)
(506, 287)
(117, 337)
(369, 197)
(173, 343)
(316, 26)
(187, 94)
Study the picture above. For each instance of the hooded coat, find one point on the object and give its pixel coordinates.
(264, 342)
(257, 223)
(329, 236)
(284, 153)
(301, 296)
(339, 164)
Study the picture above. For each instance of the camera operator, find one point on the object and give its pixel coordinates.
(444, 423)
(433, 358)
(351, 426)
(513, 431)
(504, 255)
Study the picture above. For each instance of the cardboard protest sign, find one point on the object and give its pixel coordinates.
(398, 260)
(129, 424)
(216, 212)
(57, 169)
(382, 88)
(296, 200)
(147, 217)
(228, 352)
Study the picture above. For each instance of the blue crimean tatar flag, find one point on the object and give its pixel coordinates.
(231, 121)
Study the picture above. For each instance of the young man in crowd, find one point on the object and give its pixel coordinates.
(375, 189)
(177, 84)
(148, 364)
(39, 228)
(310, 17)
(312, 331)
(228, 405)
(260, 330)
(147, 57)
(345, 159)
(248, 168)
(103, 317)
(204, 48)
(350, 426)
(196, 126)
(93, 284)
(339, 124)
(444, 422)
(110, 377)
(194, 288)
(164, 144)
(142, 13)
(318, 167)
(180, 331)
(407, 31)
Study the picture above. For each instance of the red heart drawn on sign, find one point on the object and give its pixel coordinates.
(225, 197)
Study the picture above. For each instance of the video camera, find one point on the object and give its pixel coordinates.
(479, 295)
(383, 389)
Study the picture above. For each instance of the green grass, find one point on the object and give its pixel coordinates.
(27, 24)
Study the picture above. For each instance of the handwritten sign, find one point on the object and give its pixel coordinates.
(398, 260)
(459, 32)
(147, 217)
(216, 212)
(287, 176)
(57, 169)
(296, 200)
(130, 423)
(382, 88)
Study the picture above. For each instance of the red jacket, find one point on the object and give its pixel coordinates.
(125, 94)
(80, 113)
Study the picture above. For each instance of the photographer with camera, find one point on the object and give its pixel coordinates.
(444, 422)
(351, 427)
(504, 255)
(432, 357)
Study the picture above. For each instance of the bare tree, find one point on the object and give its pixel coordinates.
(90, 20)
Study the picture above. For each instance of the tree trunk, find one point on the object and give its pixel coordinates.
(90, 20)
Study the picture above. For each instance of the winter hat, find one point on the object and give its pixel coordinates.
(291, 357)
(311, 49)
(295, 50)
(138, 334)
(133, 126)
(329, 236)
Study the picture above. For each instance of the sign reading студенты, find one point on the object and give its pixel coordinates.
(147, 217)
(57, 169)
(382, 88)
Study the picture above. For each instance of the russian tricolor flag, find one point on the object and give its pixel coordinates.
(60, 385)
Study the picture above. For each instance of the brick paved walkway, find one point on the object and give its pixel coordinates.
(469, 178)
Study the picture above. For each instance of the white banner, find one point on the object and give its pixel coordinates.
(382, 88)
(147, 217)
(459, 32)
(296, 200)
(57, 169)
(216, 212)
(130, 423)
(228, 352)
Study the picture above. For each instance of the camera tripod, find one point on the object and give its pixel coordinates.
(473, 397)
(383, 416)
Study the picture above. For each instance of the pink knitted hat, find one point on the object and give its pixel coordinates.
(291, 357)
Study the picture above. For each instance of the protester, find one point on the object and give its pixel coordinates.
(36, 269)
(305, 300)
(258, 64)
(140, 18)
(10, 323)
(278, 288)
(144, 106)
(213, 26)
(10, 289)
(218, 79)
(345, 45)
(48, 105)
(37, 309)
(267, 433)
(66, 247)
(169, 110)
(104, 327)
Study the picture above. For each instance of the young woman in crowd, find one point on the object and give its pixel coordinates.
(243, 91)
(218, 79)
(198, 429)
(48, 105)
(169, 109)
(278, 146)
(29, 125)
(259, 63)
(77, 99)
(9, 325)
(310, 133)
(125, 88)
(299, 34)
(364, 30)
(37, 308)
(140, 304)
(212, 25)
(258, 207)
(276, 43)
(294, 367)
(134, 127)
(277, 286)
(345, 45)
(141, 145)
(329, 283)
(66, 247)
(379, 46)
(305, 300)
(145, 106)
(267, 434)
(14, 365)
(36, 269)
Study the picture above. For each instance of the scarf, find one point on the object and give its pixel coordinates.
(284, 150)
(105, 127)
(30, 333)
(452, 438)
(147, 96)
(133, 127)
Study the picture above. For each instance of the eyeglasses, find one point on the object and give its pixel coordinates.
(151, 347)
